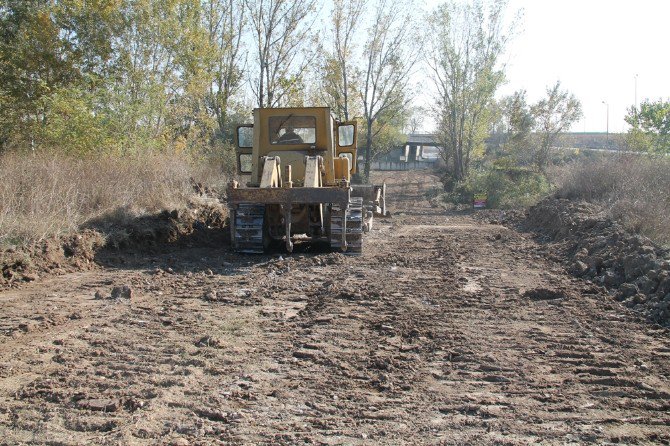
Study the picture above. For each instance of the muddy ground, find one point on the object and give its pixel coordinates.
(446, 331)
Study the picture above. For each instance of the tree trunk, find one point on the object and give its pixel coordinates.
(458, 159)
(368, 151)
(345, 85)
(260, 88)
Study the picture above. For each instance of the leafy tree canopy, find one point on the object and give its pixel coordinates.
(650, 127)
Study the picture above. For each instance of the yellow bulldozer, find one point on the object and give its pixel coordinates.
(300, 162)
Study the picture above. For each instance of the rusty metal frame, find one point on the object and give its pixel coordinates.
(372, 194)
(289, 196)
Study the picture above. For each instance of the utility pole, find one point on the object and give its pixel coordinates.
(607, 138)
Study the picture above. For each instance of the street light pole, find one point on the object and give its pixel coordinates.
(636, 94)
(607, 140)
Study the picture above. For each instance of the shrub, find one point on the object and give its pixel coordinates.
(504, 188)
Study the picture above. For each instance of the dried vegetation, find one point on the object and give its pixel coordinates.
(44, 195)
(632, 189)
(57, 213)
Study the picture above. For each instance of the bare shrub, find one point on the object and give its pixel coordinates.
(634, 189)
(44, 195)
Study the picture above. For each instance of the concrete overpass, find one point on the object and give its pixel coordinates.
(420, 151)
(420, 147)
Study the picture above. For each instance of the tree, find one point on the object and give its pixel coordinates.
(466, 46)
(415, 118)
(125, 75)
(224, 21)
(650, 127)
(388, 134)
(158, 94)
(553, 116)
(339, 73)
(388, 62)
(47, 46)
(282, 34)
(518, 122)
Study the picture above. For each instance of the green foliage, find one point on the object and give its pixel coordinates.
(121, 76)
(468, 41)
(517, 122)
(387, 135)
(334, 74)
(650, 127)
(72, 124)
(553, 116)
(504, 188)
(512, 172)
(639, 141)
(48, 47)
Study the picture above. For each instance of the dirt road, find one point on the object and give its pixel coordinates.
(446, 331)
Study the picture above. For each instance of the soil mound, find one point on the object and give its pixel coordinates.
(74, 252)
(201, 223)
(633, 268)
(123, 231)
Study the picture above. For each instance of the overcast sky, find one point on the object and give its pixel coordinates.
(595, 48)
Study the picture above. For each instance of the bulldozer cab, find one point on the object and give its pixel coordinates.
(293, 134)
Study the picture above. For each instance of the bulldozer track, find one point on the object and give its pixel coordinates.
(352, 217)
(248, 228)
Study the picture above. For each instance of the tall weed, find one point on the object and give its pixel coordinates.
(635, 190)
(42, 195)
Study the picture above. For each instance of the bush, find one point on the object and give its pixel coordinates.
(634, 189)
(504, 188)
(45, 195)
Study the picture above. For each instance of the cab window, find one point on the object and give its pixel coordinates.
(245, 137)
(345, 135)
(292, 129)
(245, 163)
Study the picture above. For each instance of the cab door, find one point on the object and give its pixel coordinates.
(244, 141)
(346, 142)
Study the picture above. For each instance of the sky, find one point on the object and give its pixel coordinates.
(595, 48)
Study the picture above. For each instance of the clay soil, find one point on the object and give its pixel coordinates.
(446, 331)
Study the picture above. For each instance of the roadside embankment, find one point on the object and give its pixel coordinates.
(634, 269)
(200, 222)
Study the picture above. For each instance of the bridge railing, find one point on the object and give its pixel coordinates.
(401, 165)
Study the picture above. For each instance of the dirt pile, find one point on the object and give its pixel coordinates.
(632, 268)
(200, 223)
(124, 231)
(74, 252)
(512, 218)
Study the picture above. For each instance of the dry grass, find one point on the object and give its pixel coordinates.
(46, 195)
(634, 189)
